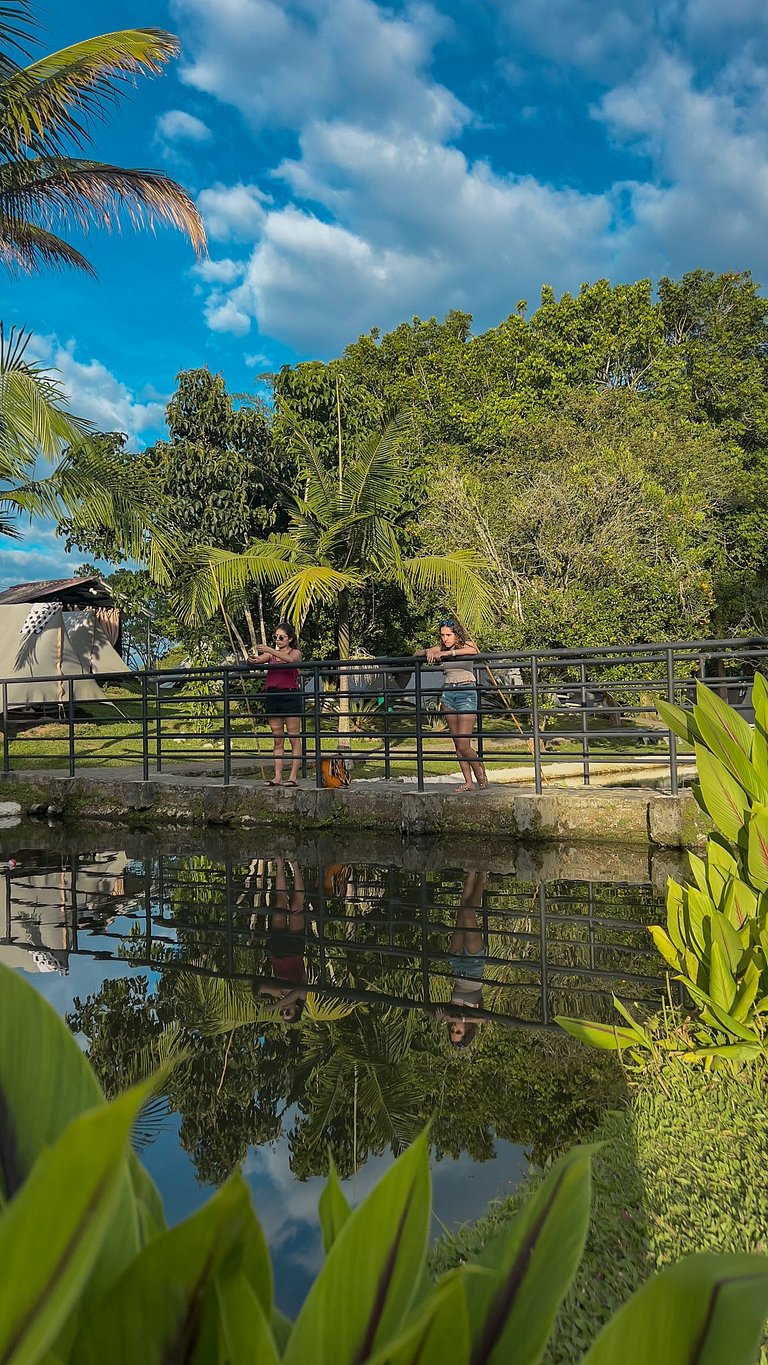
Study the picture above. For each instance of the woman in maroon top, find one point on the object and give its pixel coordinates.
(283, 698)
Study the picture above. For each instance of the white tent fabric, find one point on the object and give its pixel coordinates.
(36, 921)
(71, 644)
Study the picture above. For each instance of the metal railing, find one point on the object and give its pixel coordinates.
(542, 716)
(381, 937)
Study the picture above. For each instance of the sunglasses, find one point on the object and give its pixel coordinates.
(449, 622)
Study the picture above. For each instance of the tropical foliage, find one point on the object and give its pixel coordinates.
(93, 1273)
(716, 938)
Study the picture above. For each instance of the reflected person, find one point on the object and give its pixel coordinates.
(286, 944)
(469, 950)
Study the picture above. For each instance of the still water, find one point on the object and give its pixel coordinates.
(373, 988)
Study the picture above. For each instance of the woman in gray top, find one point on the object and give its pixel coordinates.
(459, 698)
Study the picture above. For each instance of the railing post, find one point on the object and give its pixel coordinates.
(673, 779)
(584, 726)
(535, 723)
(158, 730)
(144, 727)
(542, 896)
(227, 735)
(480, 750)
(318, 733)
(71, 719)
(6, 739)
(387, 740)
(419, 729)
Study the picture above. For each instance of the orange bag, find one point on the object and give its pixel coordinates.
(336, 771)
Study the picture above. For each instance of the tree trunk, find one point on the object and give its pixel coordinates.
(343, 642)
(251, 628)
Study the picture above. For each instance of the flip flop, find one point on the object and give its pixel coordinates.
(288, 784)
(274, 784)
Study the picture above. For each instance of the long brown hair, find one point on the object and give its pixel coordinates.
(451, 623)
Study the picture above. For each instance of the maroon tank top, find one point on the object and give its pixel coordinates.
(282, 677)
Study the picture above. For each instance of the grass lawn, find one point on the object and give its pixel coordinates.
(684, 1168)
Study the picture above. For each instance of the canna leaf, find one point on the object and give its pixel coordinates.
(724, 934)
(731, 755)
(333, 1208)
(703, 1311)
(720, 1017)
(530, 1266)
(244, 1324)
(373, 1269)
(722, 987)
(440, 1331)
(757, 848)
(738, 731)
(723, 797)
(52, 1231)
(680, 722)
(665, 946)
(610, 1037)
(760, 700)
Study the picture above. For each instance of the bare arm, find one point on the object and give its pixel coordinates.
(283, 656)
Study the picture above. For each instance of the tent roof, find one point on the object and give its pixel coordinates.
(86, 592)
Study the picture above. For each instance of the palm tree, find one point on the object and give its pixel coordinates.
(47, 109)
(343, 530)
(84, 483)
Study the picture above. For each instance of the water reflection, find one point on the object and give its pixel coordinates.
(368, 999)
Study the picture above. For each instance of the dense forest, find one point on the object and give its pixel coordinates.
(601, 462)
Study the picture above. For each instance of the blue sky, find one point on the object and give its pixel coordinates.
(359, 162)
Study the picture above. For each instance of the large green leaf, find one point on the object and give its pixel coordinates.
(727, 717)
(52, 1230)
(757, 848)
(610, 1037)
(724, 934)
(723, 797)
(35, 1042)
(680, 722)
(721, 744)
(529, 1267)
(722, 987)
(333, 1208)
(706, 1310)
(725, 1021)
(245, 1327)
(760, 700)
(439, 1333)
(665, 946)
(156, 1306)
(363, 1292)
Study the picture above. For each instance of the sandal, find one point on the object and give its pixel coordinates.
(289, 783)
(273, 783)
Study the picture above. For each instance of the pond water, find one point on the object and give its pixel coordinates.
(375, 987)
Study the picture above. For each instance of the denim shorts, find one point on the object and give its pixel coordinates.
(459, 699)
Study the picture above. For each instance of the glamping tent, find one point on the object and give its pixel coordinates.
(53, 631)
(45, 899)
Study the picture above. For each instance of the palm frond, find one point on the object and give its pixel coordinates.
(310, 584)
(78, 193)
(208, 576)
(52, 101)
(465, 578)
(323, 1008)
(31, 248)
(373, 478)
(311, 466)
(214, 1005)
(33, 417)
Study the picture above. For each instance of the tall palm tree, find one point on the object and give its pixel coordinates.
(344, 529)
(47, 111)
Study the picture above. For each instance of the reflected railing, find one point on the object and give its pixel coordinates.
(446, 942)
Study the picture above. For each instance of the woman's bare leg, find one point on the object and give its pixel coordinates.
(454, 719)
(293, 727)
(276, 726)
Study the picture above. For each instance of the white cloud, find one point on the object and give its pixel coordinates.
(281, 62)
(175, 125)
(386, 216)
(233, 212)
(223, 271)
(97, 394)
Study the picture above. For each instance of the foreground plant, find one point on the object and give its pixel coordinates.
(716, 937)
(92, 1273)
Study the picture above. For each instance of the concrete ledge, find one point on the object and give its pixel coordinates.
(617, 816)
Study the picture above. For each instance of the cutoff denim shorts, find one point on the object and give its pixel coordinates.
(459, 699)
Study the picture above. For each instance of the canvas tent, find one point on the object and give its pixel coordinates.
(40, 914)
(46, 639)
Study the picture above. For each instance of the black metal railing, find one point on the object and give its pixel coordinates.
(546, 715)
(380, 936)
